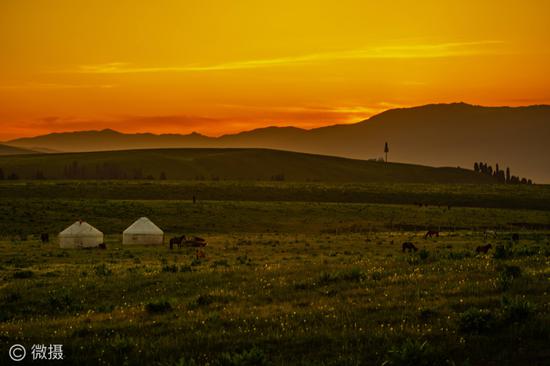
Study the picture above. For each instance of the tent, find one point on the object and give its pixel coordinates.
(80, 235)
(143, 231)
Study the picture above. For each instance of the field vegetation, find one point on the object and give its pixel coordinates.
(295, 273)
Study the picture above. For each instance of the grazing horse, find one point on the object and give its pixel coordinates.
(102, 246)
(200, 254)
(45, 237)
(177, 240)
(431, 233)
(515, 237)
(196, 242)
(409, 247)
(483, 248)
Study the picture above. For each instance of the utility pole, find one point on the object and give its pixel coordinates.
(386, 151)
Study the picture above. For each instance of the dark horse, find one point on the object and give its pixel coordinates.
(177, 240)
(409, 247)
(45, 237)
(483, 248)
(431, 233)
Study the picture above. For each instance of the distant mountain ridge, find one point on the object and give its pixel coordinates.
(455, 134)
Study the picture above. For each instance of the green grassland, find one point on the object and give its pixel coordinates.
(295, 273)
(227, 164)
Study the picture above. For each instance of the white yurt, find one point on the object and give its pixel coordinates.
(143, 231)
(80, 235)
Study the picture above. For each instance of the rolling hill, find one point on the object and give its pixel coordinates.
(437, 135)
(226, 164)
(12, 150)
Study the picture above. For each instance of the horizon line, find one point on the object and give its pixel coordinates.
(267, 126)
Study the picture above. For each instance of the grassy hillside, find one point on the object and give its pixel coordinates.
(438, 134)
(12, 150)
(226, 164)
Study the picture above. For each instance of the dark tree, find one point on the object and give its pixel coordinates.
(508, 177)
(476, 167)
(39, 175)
(1, 174)
(386, 150)
(162, 176)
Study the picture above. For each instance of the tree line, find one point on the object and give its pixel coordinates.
(76, 171)
(503, 176)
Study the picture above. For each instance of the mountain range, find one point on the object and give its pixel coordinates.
(456, 134)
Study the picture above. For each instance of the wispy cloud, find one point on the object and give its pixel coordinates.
(438, 50)
(49, 86)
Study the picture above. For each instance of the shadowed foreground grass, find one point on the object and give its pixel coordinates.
(282, 299)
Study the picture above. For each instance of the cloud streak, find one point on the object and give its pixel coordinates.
(438, 50)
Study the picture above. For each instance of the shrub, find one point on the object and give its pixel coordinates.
(170, 268)
(244, 260)
(423, 254)
(186, 268)
(476, 321)
(516, 310)
(23, 274)
(63, 303)
(459, 255)
(501, 252)
(510, 271)
(220, 263)
(353, 274)
(426, 314)
(411, 353)
(186, 362)
(326, 278)
(156, 307)
(504, 282)
(253, 357)
(507, 275)
(102, 270)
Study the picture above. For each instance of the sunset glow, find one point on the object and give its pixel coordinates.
(219, 67)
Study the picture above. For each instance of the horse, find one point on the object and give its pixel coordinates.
(177, 240)
(45, 237)
(200, 254)
(483, 248)
(409, 247)
(102, 246)
(196, 242)
(431, 233)
(515, 237)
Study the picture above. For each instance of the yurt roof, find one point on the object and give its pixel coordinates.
(80, 228)
(143, 226)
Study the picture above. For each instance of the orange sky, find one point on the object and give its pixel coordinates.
(223, 66)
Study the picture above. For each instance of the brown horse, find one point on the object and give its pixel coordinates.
(431, 233)
(200, 254)
(409, 247)
(483, 248)
(177, 240)
(196, 242)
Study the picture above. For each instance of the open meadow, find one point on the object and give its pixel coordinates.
(295, 273)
